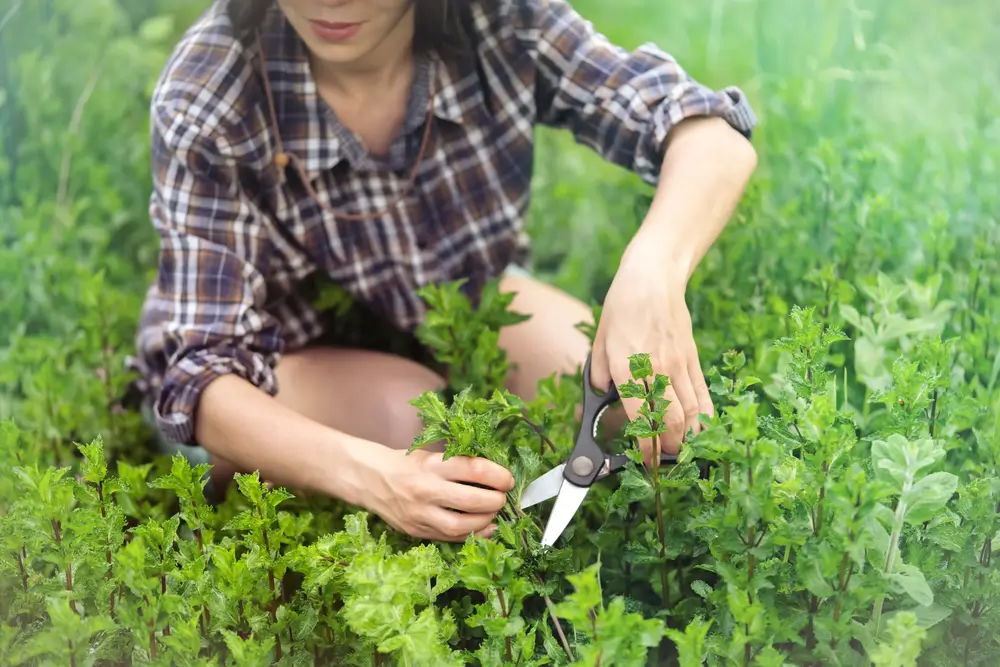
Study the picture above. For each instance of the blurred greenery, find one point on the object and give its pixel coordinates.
(918, 74)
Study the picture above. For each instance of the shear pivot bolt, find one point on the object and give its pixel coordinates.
(583, 466)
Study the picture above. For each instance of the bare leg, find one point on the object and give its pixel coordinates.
(363, 393)
(367, 394)
(549, 342)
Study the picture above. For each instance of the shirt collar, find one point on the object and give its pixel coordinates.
(311, 132)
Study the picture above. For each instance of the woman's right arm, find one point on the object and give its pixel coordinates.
(415, 493)
(219, 388)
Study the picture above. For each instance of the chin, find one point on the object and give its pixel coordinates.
(337, 53)
(335, 48)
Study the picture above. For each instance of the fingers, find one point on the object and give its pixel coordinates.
(688, 397)
(448, 526)
(487, 532)
(601, 375)
(682, 414)
(693, 399)
(432, 499)
(469, 499)
(477, 471)
(705, 405)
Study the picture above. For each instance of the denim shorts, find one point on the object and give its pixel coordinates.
(357, 330)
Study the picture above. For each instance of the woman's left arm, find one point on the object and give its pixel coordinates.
(641, 110)
(706, 168)
(623, 104)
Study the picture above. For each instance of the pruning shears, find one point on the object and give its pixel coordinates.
(570, 481)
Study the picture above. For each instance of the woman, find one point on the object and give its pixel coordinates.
(385, 145)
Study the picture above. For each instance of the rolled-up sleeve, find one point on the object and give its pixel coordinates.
(214, 250)
(618, 102)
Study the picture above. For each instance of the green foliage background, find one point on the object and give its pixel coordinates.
(875, 205)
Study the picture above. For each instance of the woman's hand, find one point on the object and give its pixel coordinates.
(706, 166)
(645, 311)
(418, 493)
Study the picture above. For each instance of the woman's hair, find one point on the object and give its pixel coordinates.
(440, 24)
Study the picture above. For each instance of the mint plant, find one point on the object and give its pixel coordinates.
(783, 535)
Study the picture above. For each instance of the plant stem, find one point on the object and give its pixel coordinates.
(57, 533)
(822, 496)
(629, 517)
(934, 404)
(550, 605)
(538, 429)
(842, 580)
(890, 556)
(107, 549)
(273, 602)
(506, 614)
(54, 442)
(152, 635)
(23, 571)
(660, 529)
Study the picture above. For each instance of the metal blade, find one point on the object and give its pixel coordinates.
(544, 487)
(567, 503)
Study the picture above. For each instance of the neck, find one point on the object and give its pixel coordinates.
(381, 67)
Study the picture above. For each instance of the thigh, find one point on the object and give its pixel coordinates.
(549, 342)
(361, 392)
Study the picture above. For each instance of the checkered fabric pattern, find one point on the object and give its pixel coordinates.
(238, 240)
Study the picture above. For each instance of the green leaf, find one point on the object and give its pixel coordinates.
(897, 459)
(640, 366)
(634, 486)
(927, 617)
(701, 589)
(929, 496)
(912, 581)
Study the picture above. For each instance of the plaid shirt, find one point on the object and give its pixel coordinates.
(238, 242)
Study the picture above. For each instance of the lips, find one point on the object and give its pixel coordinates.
(331, 25)
(334, 31)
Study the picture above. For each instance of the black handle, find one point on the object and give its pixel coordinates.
(586, 459)
(618, 461)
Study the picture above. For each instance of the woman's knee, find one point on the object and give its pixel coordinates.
(402, 419)
(550, 342)
(366, 394)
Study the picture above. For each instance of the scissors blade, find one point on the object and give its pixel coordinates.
(543, 487)
(567, 503)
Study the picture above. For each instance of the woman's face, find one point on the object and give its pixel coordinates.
(349, 31)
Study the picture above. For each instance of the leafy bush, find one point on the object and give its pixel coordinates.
(841, 509)
(784, 533)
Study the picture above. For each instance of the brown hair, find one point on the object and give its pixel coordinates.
(441, 25)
